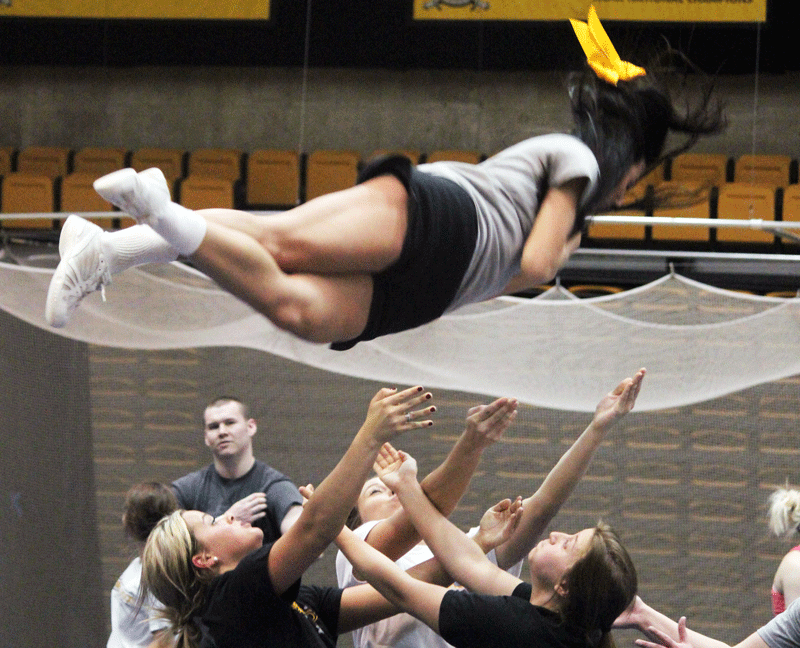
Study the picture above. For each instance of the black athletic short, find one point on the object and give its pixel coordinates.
(440, 239)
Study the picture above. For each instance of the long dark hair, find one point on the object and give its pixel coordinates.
(599, 587)
(630, 122)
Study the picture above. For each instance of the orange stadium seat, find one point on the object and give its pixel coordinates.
(50, 161)
(329, 171)
(701, 167)
(25, 193)
(78, 195)
(454, 155)
(216, 163)
(745, 201)
(203, 192)
(763, 169)
(701, 209)
(273, 179)
(172, 162)
(99, 161)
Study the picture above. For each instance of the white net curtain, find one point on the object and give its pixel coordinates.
(554, 351)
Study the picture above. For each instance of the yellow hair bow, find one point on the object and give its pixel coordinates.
(600, 53)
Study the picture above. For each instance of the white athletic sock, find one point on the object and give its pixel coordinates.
(183, 228)
(134, 246)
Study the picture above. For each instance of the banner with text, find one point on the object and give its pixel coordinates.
(638, 10)
(157, 9)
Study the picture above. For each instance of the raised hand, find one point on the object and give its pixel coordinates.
(663, 639)
(393, 466)
(250, 508)
(498, 523)
(391, 412)
(487, 423)
(618, 402)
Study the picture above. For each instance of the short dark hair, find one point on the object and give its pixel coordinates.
(221, 400)
(145, 504)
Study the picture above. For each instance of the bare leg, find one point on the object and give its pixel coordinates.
(358, 230)
(318, 308)
(308, 271)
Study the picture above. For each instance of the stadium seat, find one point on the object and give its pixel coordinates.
(99, 161)
(25, 193)
(172, 162)
(226, 164)
(50, 161)
(700, 209)
(700, 167)
(329, 171)
(770, 170)
(454, 155)
(745, 201)
(78, 195)
(203, 192)
(273, 179)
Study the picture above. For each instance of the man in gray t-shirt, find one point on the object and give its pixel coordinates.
(236, 483)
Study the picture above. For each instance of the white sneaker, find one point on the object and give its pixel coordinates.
(141, 195)
(82, 270)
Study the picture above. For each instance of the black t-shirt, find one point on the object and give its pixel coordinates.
(474, 620)
(243, 611)
(204, 490)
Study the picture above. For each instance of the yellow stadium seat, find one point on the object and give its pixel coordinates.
(273, 178)
(204, 192)
(216, 163)
(745, 201)
(697, 210)
(329, 171)
(622, 231)
(171, 161)
(454, 155)
(50, 161)
(763, 169)
(25, 193)
(99, 161)
(78, 195)
(710, 168)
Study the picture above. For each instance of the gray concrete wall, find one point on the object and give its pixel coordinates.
(249, 108)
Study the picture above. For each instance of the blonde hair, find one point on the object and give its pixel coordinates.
(169, 574)
(784, 511)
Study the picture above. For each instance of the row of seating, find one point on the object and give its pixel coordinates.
(718, 169)
(60, 179)
(730, 201)
(53, 179)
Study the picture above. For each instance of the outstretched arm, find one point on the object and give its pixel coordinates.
(543, 505)
(445, 486)
(679, 636)
(399, 589)
(323, 515)
(461, 557)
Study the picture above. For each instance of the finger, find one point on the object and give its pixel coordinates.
(413, 415)
(682, 629)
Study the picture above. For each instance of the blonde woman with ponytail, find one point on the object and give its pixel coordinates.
(784, 518)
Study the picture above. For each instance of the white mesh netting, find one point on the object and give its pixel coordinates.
(554, 351)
